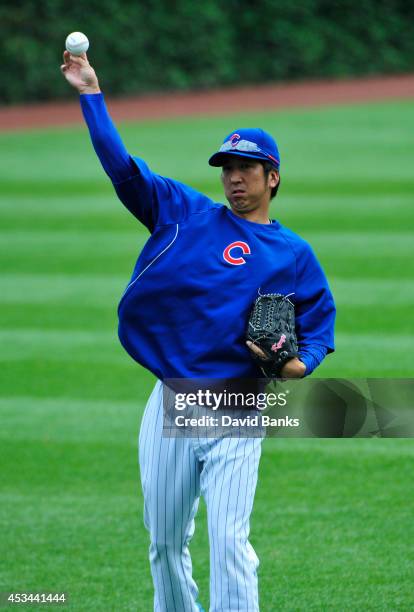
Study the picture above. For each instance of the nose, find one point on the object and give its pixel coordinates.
(235, 176)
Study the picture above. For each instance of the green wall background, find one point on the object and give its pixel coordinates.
(162, 45)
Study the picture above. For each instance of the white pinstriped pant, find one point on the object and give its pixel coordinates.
(173, 473)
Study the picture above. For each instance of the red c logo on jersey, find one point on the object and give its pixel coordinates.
(236, 261)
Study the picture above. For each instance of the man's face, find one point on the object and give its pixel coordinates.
(245, 185)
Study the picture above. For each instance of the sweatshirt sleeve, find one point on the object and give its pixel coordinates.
(314, 305)
(106, 141)
(312, 356)
(151, 198)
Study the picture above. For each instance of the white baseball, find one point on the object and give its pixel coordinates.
(77, 43)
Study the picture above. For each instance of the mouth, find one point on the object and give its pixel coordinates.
(238, 193)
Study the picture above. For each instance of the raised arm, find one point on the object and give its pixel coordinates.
(151, 198)
(106, 141)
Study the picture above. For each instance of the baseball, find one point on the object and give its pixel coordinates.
(77, 43)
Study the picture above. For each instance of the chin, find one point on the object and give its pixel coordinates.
(239, 204)
(242, 209)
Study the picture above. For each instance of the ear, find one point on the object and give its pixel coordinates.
(273, 178)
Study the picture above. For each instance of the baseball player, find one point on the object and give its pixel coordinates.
(183, 315)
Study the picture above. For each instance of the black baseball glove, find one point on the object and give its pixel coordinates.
(272, 328)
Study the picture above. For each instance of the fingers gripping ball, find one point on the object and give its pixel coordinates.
(272, 328)
(77, 43)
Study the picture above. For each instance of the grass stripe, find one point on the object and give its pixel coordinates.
(27, 339)
(71, 289)
(388, 243)
(81, 377)
(352, 316)
(69, 420)
(61, 205)
(56, 355)
(62, 345)
(385, 343)
(104, 289)
(64, 241)
(351, 254)
(355, 244)
(335, 185)
(297, 213)
(64, 316)
(375, 292)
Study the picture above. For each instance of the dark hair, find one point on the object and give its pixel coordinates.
(267, 167)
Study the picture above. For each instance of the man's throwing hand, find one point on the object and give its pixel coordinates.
(79, 73)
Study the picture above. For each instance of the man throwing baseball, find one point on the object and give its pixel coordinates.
(184, 315)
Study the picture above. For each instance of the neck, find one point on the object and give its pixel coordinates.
(255, 216)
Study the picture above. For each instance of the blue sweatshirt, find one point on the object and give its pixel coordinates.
(184, 312)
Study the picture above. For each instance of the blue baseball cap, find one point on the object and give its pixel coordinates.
(248, 142)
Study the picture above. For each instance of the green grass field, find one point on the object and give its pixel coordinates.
(332, 522)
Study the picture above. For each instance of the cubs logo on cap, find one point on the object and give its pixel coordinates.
(254, 143)
(234, 140)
